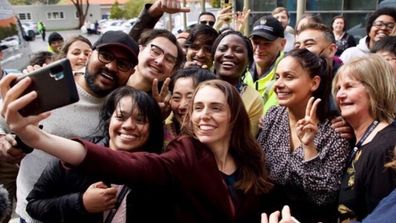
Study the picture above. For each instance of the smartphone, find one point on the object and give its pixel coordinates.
(54, 85)
(225, 3)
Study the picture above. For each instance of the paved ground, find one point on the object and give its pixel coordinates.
(38, 44)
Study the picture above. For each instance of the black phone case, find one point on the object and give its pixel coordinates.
(55, 87)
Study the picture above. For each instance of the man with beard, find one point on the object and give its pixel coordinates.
(109, 66)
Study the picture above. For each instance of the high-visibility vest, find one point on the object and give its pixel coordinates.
(264, 85)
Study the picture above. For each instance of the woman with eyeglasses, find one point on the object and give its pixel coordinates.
(379, 24)
(214, 172)
(365, 93)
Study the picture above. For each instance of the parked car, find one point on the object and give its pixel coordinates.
(31, 26)
(18, 52)
(111, 25)
(127, 25)
(30, 31)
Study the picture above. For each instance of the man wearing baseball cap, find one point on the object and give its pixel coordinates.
(268, 41)
(109, 66)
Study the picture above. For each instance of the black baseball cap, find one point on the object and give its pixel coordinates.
(119, 38)
(268, 27)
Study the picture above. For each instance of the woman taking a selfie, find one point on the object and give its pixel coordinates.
(130, 122)
(215, 172)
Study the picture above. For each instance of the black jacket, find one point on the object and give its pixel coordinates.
(57, 197)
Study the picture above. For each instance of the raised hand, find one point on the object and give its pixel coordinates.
(162, 97)
(25, 127)
(8, 151)
(308, 126)
(168, 6)
(241, 20)
(98, 197)
(224, 16)
(274, 217)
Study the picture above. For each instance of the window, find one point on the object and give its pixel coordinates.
(25, 16)
(55, 15)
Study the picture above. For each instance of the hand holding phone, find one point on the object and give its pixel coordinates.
(54, 85)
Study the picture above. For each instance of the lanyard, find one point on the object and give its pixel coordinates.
(358, 145)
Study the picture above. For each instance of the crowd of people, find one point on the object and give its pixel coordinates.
(210, 125)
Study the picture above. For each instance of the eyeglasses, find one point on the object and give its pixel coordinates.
(156, 51)
(381, 24)
(209, 23)
(107, 57)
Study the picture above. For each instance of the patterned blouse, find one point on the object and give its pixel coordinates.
(318, 177)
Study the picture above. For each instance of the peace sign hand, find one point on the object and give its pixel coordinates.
(162, 97)
(308, 126)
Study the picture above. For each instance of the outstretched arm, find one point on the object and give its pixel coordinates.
(26, 128)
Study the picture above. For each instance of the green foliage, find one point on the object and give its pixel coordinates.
(215, 3)
(7, 31)
(116, 12)
(133, 8)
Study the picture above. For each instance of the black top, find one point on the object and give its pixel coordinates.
(344, 43)
(366, 180)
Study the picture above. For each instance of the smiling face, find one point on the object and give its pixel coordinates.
(379, 28)
(78, 54)
(102, 78)
(351, 96)
(200, 51)
(265, 51)
(294, 85)
(157, 59)
(211, 117)
(182, 93)
(315, 41)
(231, 57)
(128, 129)
(338, 25)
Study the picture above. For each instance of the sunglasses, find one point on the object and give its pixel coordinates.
(209, 23)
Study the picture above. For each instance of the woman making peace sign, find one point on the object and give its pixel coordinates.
(304, 154)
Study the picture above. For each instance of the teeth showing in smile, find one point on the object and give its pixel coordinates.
(107, 76)
(155, 69)
(228, 63)
(206, 127)
(127, 137)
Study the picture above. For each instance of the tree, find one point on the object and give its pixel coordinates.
(215, 3)
(116, 12)
(133, 8)
(81, 12)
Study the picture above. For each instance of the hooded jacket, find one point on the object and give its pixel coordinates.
(359, 50)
